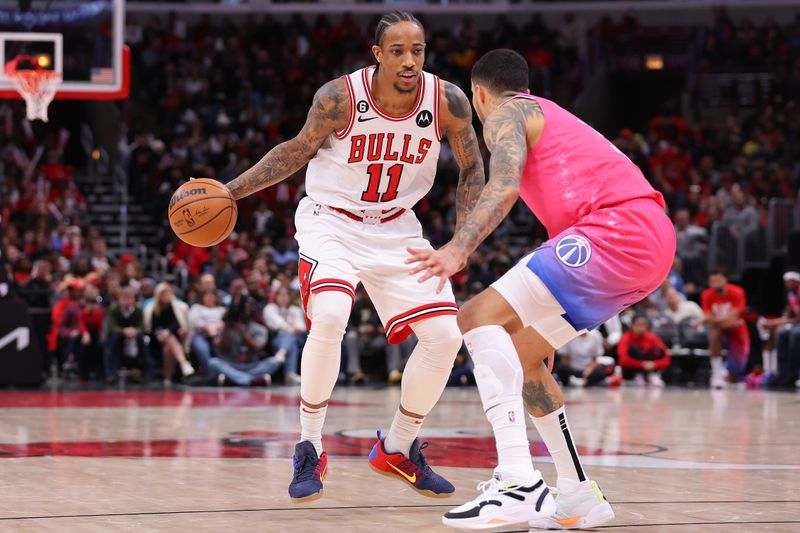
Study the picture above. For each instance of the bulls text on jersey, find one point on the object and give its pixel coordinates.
(384, 146)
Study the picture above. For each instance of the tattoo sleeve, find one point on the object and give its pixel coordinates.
(464, 144)
(504, 132)
(329, 112)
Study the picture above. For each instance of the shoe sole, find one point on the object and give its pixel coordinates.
(503, 519)
(427, 493)
(307, 499)
(599, 515)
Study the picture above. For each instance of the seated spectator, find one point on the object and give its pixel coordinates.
(205, 322)
(289, 325)
(723, 304)
(642, 355)
(611, 330)
(126, 345)
(581, 362)
(168, 321)
(365, 333)
(772, 328)
(240, 347)
(688, 317)
(90, 323)
(66, 321)
(692, 247)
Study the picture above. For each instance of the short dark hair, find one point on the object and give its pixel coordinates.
(390, 19)
(501, 70)
(719, 271)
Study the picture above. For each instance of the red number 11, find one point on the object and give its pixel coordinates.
(375, 172)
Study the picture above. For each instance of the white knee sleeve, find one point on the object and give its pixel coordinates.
(430, 363)
(319, 367)
(498, 371)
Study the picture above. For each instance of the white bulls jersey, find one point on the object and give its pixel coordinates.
(379, 161)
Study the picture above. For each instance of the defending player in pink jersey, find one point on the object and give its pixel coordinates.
(610, 246)
(371, 142)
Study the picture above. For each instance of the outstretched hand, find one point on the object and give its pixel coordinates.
(443, 263)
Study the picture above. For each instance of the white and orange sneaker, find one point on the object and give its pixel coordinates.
(580, 505)
(502, 504)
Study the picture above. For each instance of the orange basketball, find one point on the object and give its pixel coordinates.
(202, 212)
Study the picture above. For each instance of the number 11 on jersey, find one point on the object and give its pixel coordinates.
(375, 172)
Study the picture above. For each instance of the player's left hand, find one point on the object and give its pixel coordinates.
(443, 263)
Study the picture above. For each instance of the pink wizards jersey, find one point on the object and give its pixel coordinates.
(611, 244)
(573, 171)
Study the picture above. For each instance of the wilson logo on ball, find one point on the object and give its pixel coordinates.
(574, 250)
(183, 194)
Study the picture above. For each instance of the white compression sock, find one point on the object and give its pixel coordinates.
(716, 366)
(424, 378)
(319, 367)
(555, 433)
(498, 373)
(770, 361)
(311, 422)
(402, 433)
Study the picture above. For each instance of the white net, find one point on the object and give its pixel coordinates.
(38, 88)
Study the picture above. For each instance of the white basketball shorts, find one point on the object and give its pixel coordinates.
(535, 304)
(337, 252)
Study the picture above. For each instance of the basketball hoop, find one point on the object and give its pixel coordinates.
(37, 86)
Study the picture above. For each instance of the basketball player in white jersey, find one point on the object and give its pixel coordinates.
(371, 142)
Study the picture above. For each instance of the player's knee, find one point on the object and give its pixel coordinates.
(329, 324)
(440, 336)
(469, 317)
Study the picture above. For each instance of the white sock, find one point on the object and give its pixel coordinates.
(716, 366)
(402, 433)
(498, 373)
(311, 422)
(319, 366)
(769, 358)
(556, 435)
(424, 377)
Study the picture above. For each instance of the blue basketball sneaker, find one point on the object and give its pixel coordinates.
(309, 471)
(413, 469)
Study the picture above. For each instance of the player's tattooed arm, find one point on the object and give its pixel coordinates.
(504, 133)
(457, 126)
(329, 112)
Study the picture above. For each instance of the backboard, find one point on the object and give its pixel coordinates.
(82, 40)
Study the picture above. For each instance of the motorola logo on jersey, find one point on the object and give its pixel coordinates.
(362, 106)
(388, 147)
(574, 250)
(424, 119)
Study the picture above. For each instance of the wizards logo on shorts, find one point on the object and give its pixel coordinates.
(574, 250)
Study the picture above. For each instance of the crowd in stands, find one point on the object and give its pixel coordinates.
(209, 98)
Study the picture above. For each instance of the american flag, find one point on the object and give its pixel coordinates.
(102, 75)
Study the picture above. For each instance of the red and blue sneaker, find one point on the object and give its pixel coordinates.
(309, 471)
(413, 469)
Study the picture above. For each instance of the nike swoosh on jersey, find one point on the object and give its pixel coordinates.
(362, 119)
(411, 479)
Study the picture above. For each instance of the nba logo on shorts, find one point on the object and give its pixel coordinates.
(512, 417)
(574, 250)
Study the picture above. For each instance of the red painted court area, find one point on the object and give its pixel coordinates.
(106, 399)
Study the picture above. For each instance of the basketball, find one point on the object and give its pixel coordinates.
(202, 212)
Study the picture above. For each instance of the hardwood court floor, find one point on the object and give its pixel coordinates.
(218, 460)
